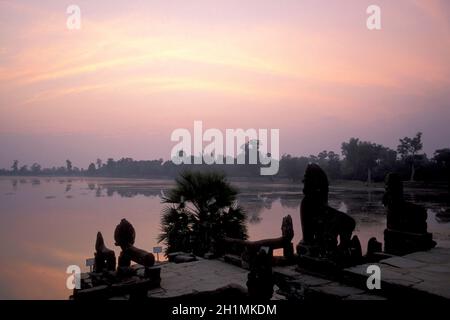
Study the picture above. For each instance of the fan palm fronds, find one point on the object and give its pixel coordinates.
(201, 209)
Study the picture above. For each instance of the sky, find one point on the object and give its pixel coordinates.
(138, 70)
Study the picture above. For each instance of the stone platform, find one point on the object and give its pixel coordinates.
(206, 277)
(421, 275)
(201, 276)
(300, 286)
(424, 275)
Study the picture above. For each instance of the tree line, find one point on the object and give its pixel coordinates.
(359, 160)
(368, 161)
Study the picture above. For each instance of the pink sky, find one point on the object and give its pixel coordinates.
(135, 72)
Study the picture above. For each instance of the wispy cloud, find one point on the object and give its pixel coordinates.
(138, 65)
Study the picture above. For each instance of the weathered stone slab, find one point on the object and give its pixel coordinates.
(403, 262)
(434, 257)
(311, 281)
(438, 288)
(95, 293)
(360, 270)
(179, 280)
(440, 251)
(332, 291)
(338, 290)
(288, 271)
(421, 274)
(425, 275)
(181, 257)
(309, 287)
(233, 259)
(443, 268)
(392, 276)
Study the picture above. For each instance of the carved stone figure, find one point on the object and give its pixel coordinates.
(124, 236)
(251, 248)
(322, 225)
(260, 278)
(105, 259)
(406, 222)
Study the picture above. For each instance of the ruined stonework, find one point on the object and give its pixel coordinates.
(105, 259)
(248, 250)
(327, 232)
(406, 230)
(125, 235)
(130, 281)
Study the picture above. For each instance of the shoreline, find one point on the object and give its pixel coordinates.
(346, 184)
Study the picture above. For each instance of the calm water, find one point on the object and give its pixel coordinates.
(47, 224)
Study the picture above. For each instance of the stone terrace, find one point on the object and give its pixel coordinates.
(196, 277)
(421, 274)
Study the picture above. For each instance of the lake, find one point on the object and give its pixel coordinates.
(47, 224)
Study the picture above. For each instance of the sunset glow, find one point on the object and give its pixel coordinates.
(134, 73)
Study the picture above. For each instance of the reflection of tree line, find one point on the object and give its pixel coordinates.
(255, 201)
(359, 160)
(355, 202)
(123, 191)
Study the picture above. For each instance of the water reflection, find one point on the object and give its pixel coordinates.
(256, 197)
(42, 230)
(98, 192)
(442, 216)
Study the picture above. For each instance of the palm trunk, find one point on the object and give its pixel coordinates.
(413, 172)
(369, 176)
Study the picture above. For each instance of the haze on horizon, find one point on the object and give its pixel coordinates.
(136, 71)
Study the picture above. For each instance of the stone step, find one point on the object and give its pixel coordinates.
(424, 275)
(298, 285)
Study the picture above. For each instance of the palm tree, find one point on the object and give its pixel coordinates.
(201, 209)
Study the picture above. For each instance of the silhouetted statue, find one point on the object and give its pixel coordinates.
(323, 225)
(406, 222)
(105, 259)
(251, 248)
(260, 278)
(125, 235)
(106, 281)
(373, 247)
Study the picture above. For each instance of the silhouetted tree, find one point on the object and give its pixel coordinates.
(408, 150)
(362, 160)
(330, 162)
(99, 163)
(23, 170)
(201, 209)
(69, 166)
(15, 166)
(91, 168)
(364, 156)
(250, 154)
(293, 167)
(36, 168)
(442, 158)
(110, 165)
